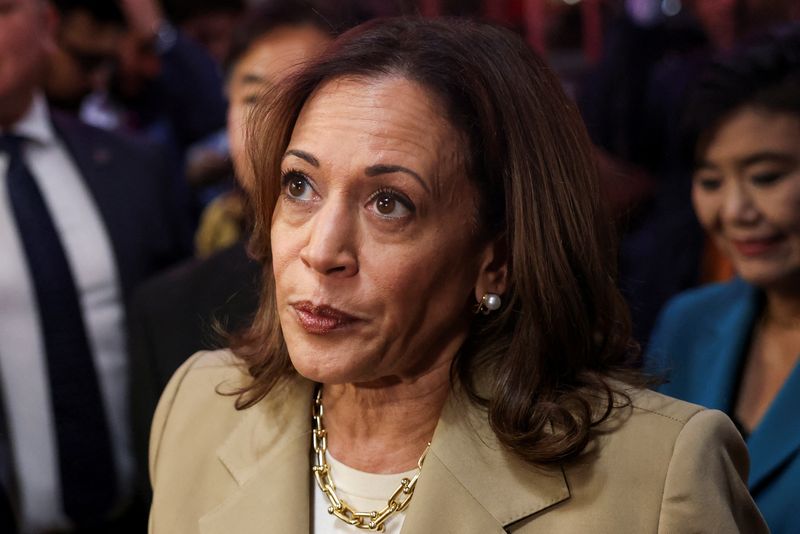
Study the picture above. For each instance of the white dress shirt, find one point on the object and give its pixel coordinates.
(23, 364)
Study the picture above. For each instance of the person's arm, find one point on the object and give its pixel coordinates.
(705, 488)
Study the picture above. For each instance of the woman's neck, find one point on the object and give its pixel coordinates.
(782, 311)
(772, 357)
(384, 429)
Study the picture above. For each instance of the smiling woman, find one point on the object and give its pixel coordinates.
(747, 194)
(439, 320)
(736, 346)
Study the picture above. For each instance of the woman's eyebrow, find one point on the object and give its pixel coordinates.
(375, 170)
(765, 156)
(305, 156)
(768, 157)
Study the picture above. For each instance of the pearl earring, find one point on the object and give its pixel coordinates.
(489, 303)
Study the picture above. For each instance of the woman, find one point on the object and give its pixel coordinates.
(736, 346)
(437, 295)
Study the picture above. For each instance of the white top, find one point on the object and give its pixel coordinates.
(364, 492)
(23, 367)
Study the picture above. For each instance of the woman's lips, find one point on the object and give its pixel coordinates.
(756, 247)
(321, 319)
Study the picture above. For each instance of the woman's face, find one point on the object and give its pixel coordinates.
(746, 193)
(373, 237)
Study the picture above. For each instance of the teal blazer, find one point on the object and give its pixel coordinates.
(699, 344)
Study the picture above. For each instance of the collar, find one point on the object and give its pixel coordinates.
(469, 483)
(36, 125)
(728, 336)
(473, 484)
(776, 438)
(268, 456)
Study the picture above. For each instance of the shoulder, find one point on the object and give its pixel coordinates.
(195, 395)
(656, 464)
(703, 464)
(679, 463)
(202, 378)
(655, 417)
(641, 436)
(662, 409)
(650, 420)
(81, 136)
(200, 384)
(691, 315)
(224, 286)
(694, 304)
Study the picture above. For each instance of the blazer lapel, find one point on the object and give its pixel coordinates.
(777, 437)
(470, 484)
(268, 457)
(726, 350)
(95, 159)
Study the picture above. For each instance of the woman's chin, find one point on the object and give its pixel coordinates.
(326, 370)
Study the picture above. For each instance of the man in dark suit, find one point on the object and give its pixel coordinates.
(84, 217)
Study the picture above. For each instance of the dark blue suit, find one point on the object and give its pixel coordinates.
(146, 221)
(701, 341)
(133, 188)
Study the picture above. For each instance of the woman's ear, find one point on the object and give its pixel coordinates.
(493, 269)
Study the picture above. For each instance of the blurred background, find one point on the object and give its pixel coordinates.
(149, 97)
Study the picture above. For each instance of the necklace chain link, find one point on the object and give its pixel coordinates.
(373, 520)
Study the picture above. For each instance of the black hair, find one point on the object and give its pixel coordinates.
(179, 11)
(764, 74)
(106, 11)
(272, 15)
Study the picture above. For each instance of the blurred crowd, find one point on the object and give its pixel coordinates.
(124, 214)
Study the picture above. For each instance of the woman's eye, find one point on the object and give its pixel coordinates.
(766, 178)
(297, 187)
(391, 205)
(707, 184)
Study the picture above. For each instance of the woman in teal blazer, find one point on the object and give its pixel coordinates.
(702, 340)
(736, 346)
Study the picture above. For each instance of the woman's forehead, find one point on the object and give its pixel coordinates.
(386, 105)
(391, 119)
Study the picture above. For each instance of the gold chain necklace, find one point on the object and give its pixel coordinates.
(322, 473)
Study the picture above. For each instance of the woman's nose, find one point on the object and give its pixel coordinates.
(738, 206)
(331, 246)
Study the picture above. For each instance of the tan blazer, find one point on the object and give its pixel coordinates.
(662, 466)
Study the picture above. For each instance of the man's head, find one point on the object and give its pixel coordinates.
(210, 23)
(272, 43)
(26, 28)
(87, 39)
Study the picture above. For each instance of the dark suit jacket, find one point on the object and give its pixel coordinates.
(131, 184)
(145, 219)
(173, 316)
(701, 340)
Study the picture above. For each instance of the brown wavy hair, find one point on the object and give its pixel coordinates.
(557, 349)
